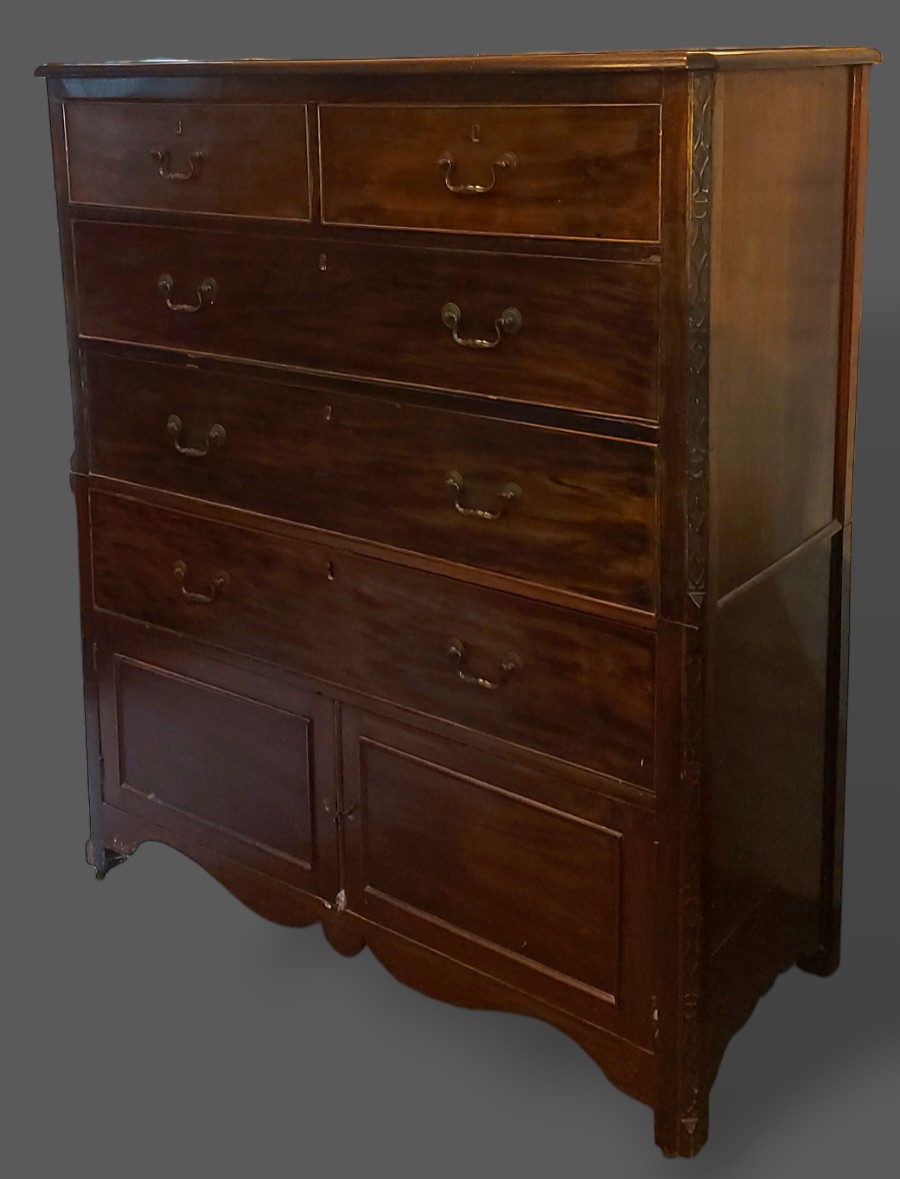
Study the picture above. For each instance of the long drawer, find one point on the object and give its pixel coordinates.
(588, 171)
(540, 676)
(236, 159)
(550, 506)
(569, 332)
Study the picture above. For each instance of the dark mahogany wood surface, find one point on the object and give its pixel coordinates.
(463, 462)
(246, 768)
(150, 683)
(766, 817)
(589, 336)
(501, 834)
(777, 270)
(773, 57)
(558, 171)
(583, 516)
(230, 159)
(255, 779)
(584, 689)
(497, 855)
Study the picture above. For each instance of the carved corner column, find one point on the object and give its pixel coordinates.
(682, 1108)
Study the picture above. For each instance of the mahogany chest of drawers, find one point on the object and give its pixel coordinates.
(463, 466)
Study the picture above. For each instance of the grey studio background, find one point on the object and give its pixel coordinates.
(152, 1026)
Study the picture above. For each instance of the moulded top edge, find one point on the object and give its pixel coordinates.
(784, 57)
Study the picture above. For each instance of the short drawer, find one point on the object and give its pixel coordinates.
(556, 507)
(539, 676)
(248, 160)
(568, 332)
(551, 171)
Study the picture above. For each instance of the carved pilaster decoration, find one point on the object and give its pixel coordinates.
(699, 236)
(692, 1102)
(693, 1095)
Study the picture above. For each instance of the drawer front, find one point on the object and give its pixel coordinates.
(539, 676)
(244, 160)
(543, 882)
(553, 171)
(588, 336)
(549, 506)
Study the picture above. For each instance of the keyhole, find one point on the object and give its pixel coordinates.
(326, 413)
(330, 571)
(476, 133)
(323, 262)
(179, 130)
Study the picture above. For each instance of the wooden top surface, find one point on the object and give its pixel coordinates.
(525, 63)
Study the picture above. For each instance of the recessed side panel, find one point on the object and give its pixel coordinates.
(777, 248)
(769, 768)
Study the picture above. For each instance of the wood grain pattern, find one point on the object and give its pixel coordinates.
(851, 293)
(770, 675)
(120, 834)
(628, 1065)
(253, 159)
(619, 86)
(246, 768)
(584, 517)
(683, 732)
(534, 873)
(776, 290)
(575, 750)
(589, 335)
(578, 171)
(825, 958)
(677, 179)
(585, 689)
(782, 57)
(499, 856)
(79, 459)
(254, 781)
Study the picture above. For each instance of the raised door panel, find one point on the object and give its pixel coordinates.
(222, 757)
(526, 875)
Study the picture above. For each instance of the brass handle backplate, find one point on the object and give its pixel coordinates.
(164, 159)
(459, 657)
(507, 162)
(218, 583)
(453, 481)
(215, 436)
(206, 293)
(508, 322)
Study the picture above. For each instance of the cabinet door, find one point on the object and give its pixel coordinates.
(235, 760)
(524, 874)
